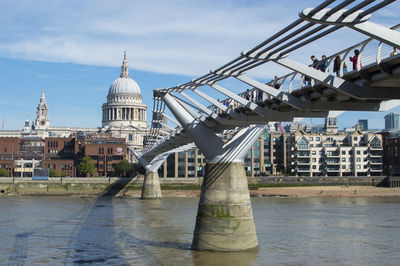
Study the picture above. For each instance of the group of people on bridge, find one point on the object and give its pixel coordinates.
(257, 96)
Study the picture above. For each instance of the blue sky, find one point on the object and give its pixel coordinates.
(73, 50)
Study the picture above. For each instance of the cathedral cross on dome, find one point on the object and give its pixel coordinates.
(124, 68)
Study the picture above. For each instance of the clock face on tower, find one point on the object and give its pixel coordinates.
(42, 122)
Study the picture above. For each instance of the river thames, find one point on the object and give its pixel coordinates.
(127, 231)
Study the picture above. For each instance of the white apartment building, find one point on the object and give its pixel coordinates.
(334, 154)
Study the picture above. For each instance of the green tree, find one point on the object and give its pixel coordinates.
(86, 166)
(53, 172)
(4, 172)
(64, 174)
(123, 168)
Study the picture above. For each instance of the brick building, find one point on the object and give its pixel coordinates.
(21, 155)
(391, 152)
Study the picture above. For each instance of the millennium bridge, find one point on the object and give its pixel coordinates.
(225, 130)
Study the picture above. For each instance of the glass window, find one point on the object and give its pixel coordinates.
(376, 143)
(302, 143)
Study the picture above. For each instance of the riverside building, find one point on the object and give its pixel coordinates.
(20, 156)
(335, 154)
(391, 156)
(303, 152)
(123, 116)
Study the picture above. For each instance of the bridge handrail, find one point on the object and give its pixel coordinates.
(361, 59)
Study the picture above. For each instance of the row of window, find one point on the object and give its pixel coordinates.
(109, 150)
(66, 167)
(109, 158)
(5, 165)
(52, 144)
(314, 167)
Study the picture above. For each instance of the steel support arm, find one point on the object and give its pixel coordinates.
(280, 95)
(211, 100)
(257, 109)
(199, 105)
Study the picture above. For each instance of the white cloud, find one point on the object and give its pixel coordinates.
(179, 37)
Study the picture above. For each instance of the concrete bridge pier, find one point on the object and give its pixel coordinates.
(224, 219)
(151, 186)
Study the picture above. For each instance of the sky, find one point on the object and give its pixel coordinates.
(73, 50)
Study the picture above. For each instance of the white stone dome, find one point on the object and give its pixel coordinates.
(125, 86)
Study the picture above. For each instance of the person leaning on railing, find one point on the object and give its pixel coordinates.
(354, 59)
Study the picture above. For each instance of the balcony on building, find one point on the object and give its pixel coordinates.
(303, 154)
(375, 168)
(333, 169)
(376, 153)
(303, 168)
(333, 161)
(376, 161)
(331, 154)
(303, 161)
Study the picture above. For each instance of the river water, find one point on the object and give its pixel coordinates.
(118, 231)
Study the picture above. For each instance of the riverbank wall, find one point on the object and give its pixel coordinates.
(111, 186)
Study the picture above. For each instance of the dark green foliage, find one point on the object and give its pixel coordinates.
(86, 166)
(123, 169)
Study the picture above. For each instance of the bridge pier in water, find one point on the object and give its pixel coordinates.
(151, 186)
(224, 219)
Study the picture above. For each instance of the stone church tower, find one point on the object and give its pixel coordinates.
(42, 121)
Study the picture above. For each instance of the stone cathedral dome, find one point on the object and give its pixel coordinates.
(124, 109)
(124, 85)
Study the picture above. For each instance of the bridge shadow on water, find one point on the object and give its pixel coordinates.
(86, 237)
(100, 239)
(94, 238)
